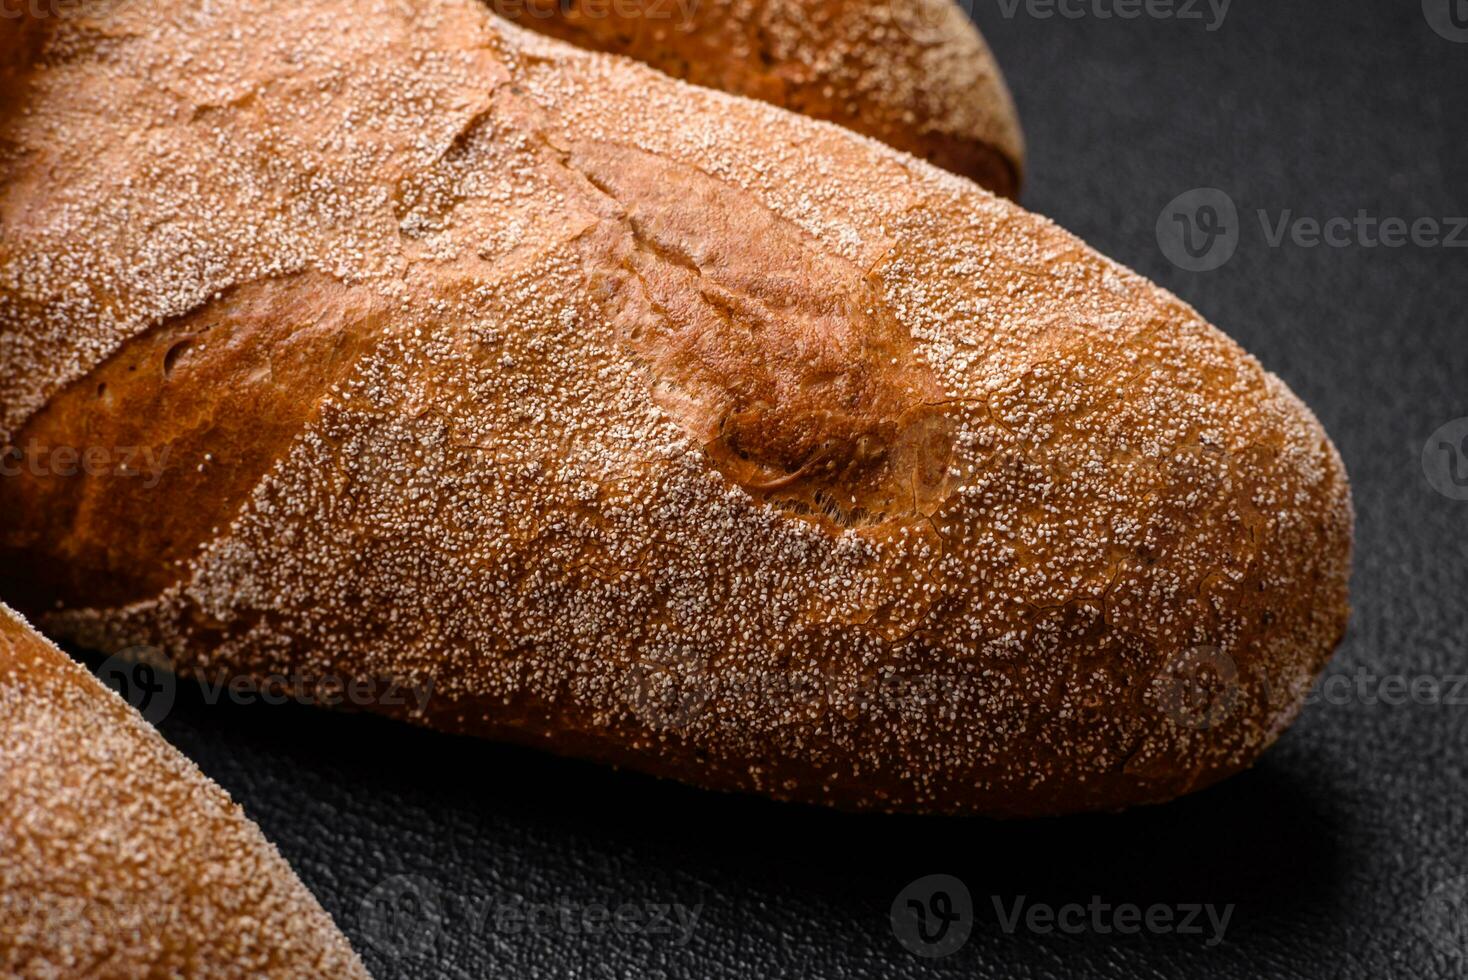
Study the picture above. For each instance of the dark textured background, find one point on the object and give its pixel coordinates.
(1340, 851)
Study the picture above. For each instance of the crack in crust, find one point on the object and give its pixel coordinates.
(778, 358)
(189, 416)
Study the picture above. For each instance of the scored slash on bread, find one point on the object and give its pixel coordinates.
(121, 858)
(635, 420)
(915, 74)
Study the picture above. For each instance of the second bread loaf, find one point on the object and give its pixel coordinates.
(914, 74)
(121, 859)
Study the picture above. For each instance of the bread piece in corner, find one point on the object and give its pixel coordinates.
(121, 858)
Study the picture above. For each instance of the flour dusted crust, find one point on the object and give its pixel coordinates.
(121, 858)
(641, 422)
(915, 74)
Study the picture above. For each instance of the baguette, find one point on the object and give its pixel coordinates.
(915, 74)
(637, 421)
(122, 859)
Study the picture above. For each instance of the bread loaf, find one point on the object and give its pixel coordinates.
(121, 859)
(915, 74)
(638, 421)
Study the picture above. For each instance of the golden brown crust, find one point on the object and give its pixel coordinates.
(779, 359)
(613, 318)
(236, 377)
(121, 858)
(915, 74)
